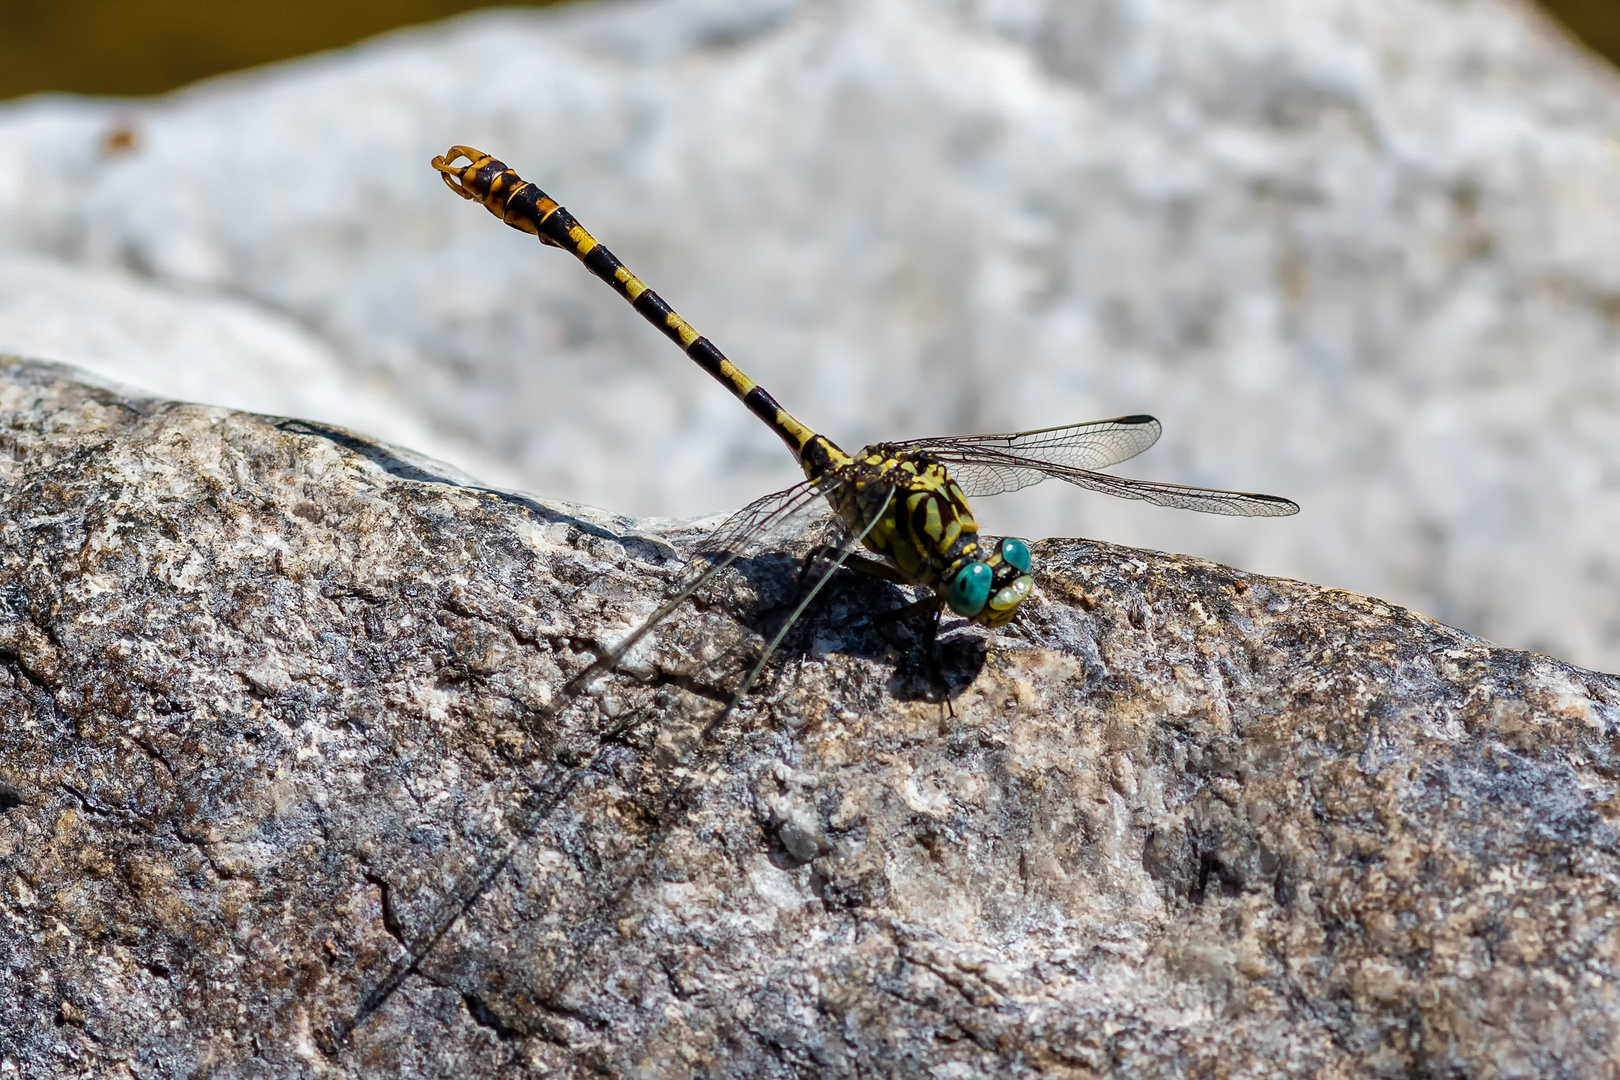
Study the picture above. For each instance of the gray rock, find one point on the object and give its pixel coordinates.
(278, 699)
(1358, 252)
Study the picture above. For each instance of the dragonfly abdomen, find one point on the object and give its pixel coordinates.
(525, 207)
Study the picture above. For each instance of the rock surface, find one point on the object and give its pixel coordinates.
(1357, 252)
(274, 695)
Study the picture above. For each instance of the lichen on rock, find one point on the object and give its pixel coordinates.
(278, 699)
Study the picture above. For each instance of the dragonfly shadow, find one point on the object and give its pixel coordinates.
(846, 618)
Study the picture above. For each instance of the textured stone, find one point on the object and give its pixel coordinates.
(1357, 252)
(273, 694)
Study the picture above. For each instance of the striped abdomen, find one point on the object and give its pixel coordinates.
(524, 206)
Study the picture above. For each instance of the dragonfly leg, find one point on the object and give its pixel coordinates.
(935, 667)
(927, 605)
(860, 563)
(876, 568)
(916, 607)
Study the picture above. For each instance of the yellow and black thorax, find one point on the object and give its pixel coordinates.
(927, 532)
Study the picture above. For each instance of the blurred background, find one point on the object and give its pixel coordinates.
(1362, 253)
(127, 47)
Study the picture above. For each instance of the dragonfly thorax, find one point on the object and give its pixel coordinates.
(927, 532)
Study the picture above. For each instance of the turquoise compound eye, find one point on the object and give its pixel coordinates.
(970, 589)
(1016, 554)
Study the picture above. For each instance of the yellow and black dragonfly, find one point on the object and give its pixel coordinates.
(906, 502)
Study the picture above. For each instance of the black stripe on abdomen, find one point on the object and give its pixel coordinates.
(762, 405)
(707, 357)
(655, 311)
(606, 265)
(768, 409)
(523, 204)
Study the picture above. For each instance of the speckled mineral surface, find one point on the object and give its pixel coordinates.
(280, 705)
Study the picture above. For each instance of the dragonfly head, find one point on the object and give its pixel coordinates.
(989, 590)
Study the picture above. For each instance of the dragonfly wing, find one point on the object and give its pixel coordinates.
(1180, 496)
(737, 535)
(790, 512)
(744, 532)
(851, 539)
(992, 464)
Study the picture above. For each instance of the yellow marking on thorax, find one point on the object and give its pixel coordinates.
(905, 557)
(932, 525)
(929, 524)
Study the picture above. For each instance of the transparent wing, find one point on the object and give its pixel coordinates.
(992, 464)
(1204, 500)
(871, 514)
(740, 533)
(737, 536)
(789, 510)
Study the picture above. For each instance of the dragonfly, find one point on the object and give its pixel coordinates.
(905, 502)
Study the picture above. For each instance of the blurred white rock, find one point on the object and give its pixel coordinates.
(1363, 253)
(198, 347)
